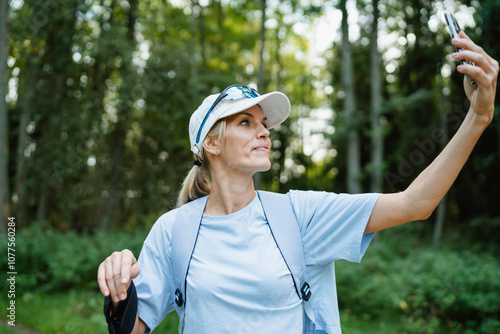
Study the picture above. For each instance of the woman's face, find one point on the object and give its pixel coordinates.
(247, 144)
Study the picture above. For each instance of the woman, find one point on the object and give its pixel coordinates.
(237, 280)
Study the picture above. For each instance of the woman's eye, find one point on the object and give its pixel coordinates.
(245, 122)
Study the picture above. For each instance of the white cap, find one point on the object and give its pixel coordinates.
(275, 105)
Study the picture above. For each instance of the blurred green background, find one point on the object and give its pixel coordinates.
(94, 142)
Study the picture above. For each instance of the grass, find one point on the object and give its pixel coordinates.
(5, 329)
(75, 312)
(80, 312)
(70, 312)
(355, 324)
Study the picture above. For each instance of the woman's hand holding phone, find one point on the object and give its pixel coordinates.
(454, 29)
(484, 72)
(480, 70)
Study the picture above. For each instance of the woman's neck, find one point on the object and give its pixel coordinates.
(229, 194)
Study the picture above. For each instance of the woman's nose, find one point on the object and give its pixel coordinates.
(263, 131)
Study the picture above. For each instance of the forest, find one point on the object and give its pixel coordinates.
(94, 146)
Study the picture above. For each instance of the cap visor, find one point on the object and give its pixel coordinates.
(275, 105)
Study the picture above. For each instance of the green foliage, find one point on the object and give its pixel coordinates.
(48, 260)
(400, 286)
(432, 290)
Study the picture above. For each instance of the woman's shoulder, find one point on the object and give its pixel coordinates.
(300, 196)
(161, 232)
(167, 218)
(306, 197)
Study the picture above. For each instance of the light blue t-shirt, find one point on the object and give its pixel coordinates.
(238, 280)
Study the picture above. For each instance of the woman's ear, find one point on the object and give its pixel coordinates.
(211, 146)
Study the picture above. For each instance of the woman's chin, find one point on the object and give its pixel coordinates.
(264, 167)
(260, 166)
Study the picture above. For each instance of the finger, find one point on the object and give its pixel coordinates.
(134, 270)
(127, 260)
(467, 43)
(478, 57)
(486, 74)
(464, 36)
(133, 266)
(476, 73)
(108, 264)
(485, 66)
(465, 40)
(475, 57)
(101, 280)
(121, 290)
(468, 40)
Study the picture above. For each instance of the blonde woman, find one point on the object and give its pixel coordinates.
(238, 280)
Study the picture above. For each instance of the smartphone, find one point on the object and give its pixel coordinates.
(454, 29)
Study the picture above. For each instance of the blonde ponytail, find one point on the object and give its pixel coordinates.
(197, 182)
(195, 185)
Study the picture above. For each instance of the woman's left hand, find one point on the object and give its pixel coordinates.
(484, 72)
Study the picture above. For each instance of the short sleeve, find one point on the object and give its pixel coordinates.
(155, 284)
(332, 225)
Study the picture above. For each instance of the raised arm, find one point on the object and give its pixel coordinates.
(423, 195)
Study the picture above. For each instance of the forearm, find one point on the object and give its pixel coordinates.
(139, 326)
(426, 191)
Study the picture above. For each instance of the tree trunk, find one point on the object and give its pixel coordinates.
(281, 134)
(101, 74)
(262, 44)
(20, 158)
(4, 139)
(192, 58)
(26, 110)
(117, 181)
(353, 146)
(377, 139)
(42, 212)
(257, 179)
